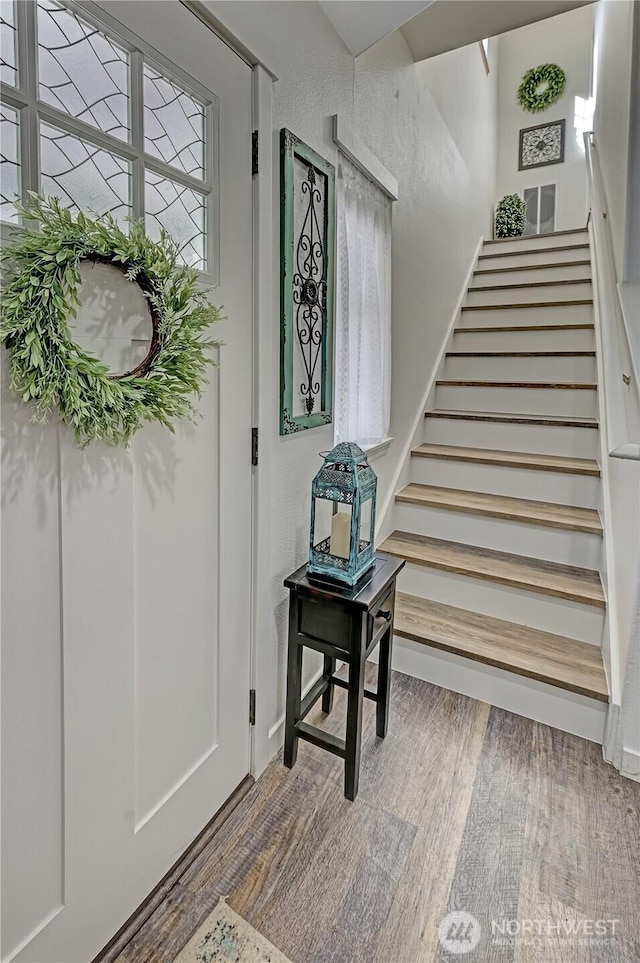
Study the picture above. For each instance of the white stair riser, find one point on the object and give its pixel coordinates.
(563, 271)
(555, 292)
(501, 535)
(582, 339)
(537, 257)
(537, 401)
(535, 241)
(549, 440)
(521, 369)
(540, 701)
(563, 489)
(506, 317)
(559, 616)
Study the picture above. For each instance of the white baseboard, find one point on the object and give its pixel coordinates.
(544, 703)
(275, 732)
(630, 764)
(625, 760)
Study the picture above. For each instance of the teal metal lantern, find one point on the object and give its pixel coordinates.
(343, 516)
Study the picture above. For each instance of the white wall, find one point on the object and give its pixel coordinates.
(614, 33)
(567, 41)
(613, 116)
(433, 126)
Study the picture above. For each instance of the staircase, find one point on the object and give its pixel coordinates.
(499, 524)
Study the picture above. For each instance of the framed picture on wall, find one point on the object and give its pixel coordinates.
(541, 145)
(307, 273)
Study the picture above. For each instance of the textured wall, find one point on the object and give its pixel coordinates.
(433, 126)
(614, 32)
(565, 40)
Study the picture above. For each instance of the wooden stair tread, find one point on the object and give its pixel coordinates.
(564, 662)
(534, 267)
(523, 327)
(524, 510)
(535, 250)
(569, 302)
(530, 237)
(511, 419)
(521, 354)
(509, 459)
(534, 575)
(562, 385)
(529, 284)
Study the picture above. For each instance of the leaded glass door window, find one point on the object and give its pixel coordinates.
(93, 116)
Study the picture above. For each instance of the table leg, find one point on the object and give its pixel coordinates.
(294, 684)
(355, 699)
(328, 671)
(384, 683)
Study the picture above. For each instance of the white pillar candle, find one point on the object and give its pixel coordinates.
(340, 535)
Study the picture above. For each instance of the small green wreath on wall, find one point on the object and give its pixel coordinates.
(541, 87)
(40, 296)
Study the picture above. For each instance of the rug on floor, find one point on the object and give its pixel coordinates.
(225, 937)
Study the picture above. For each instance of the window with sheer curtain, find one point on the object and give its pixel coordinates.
(363, 309)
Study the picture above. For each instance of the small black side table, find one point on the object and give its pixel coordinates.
(344, 624)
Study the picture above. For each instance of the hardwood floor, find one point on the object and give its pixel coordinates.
(461, 807)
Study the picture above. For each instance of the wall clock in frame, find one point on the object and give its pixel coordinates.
(541, 145)
(307, 273)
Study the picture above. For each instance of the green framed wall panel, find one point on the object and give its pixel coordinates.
(307, 285)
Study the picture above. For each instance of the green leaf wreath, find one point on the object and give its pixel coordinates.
(510, 214)
(40, 296)
(541, 87)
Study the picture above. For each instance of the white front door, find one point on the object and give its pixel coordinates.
(126, 595)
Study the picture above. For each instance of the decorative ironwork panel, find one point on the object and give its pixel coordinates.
(8, 59)
(541, 145)
(307, 272)
(82, 71)
(9, 164)
(84, 177)
(174, 124)
(181, 212)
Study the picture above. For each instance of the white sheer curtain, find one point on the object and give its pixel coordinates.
(363, 309)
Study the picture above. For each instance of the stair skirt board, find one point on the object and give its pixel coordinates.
(508, 315)
(544, 703)
(501, 534)
(563, 402)
(545, 612)
(579, 369)
(524, 338)
(549, 486)
(534, 292)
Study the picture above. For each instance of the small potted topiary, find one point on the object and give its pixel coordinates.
(510, 214)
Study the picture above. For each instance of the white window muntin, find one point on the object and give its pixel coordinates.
(31, 111)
